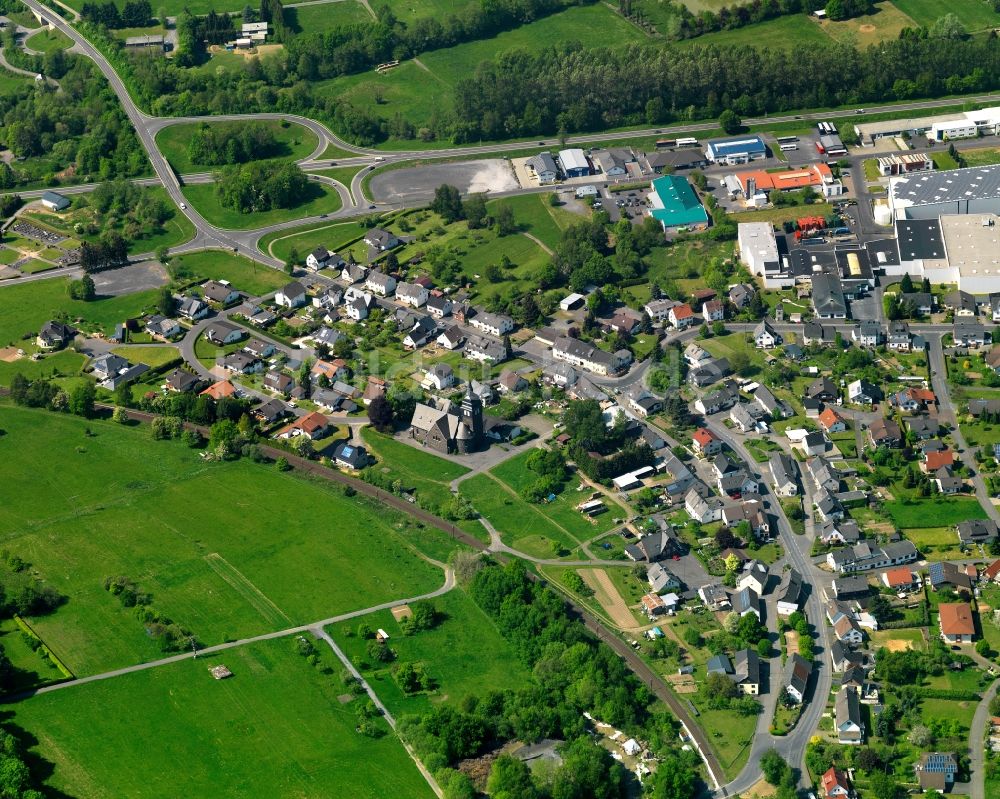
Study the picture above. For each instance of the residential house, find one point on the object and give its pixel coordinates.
(654, 546)
(181, 380)
(867, 333)
(948, 483)
(659, 310)
(681, 316)
(815, 333)
(543, 167)
(270, 412)
(746, 601)
(496, 324)
(923, 428)
(438, 307)
(740, 295)
(899, 339)
(222, 333)
(412, 294)
(934, 460)
(162, 328)
(220, 292)
(220, 390)
(703, 507)
(715, 597)
(822, 388)
(899, 578)
(746, 671)
(192, 308)
(713, 311)
(360, 306)
(705, 442)
(835, 785)
(828, 297)
(943, 574)
(755, 576)
(350, 456)
(844, 531)
(861, 392)
(789, 593)
(313, 425)
(785, 473)
(54, 335)
(353, 273)
(863, 557)
(279, 383)
(936, 771)
(380, 283)
(850, 588)
(850, 727)
(742, 418)
(977, 531)
(439, 377)
(108, 365)
(328, 301)
(259, 349)
(956, 622)
(771, 405)
(485, 350)
(831, 421)
(765, 337)
(581, 354)
(961, 303)
(885, 433)
(421, 333)
(814, 443)
(845, 627)
(970, 334)
(452, 338)
(709, 372)
(327, 335)
(381, 240)
(321, 258)
(824, 474)
(332, 370)
(241, 363)
(798, 679)
(291, 295)
(720, 399)
(661, 578)
(843, 658)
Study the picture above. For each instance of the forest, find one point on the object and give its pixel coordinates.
(261, 186)
(231, 143)
(76, 133)
(573, 674)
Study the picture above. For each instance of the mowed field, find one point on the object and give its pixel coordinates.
(228, 550)
(276, 728)
(976, 15)
(294, 142)
(323, 17)
(244, 274)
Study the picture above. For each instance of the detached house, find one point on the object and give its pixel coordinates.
(219, 292)
(292, 295)
(705, 442)
(380, 283)
(798, 679)
(849, 726)
(681, 316)
(832, 421)
(222, 332)
(785, 472)
(956, 622)
(765, 337)
(936, 771)
(381, 240)
(412, 294)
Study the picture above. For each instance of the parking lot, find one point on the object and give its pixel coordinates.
(628, 204)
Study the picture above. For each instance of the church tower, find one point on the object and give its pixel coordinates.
(472, 418)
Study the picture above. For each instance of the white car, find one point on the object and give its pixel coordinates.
(184, 206)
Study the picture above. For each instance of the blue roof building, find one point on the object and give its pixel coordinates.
(736, 150)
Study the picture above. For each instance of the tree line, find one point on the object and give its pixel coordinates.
(134, 14)
(572, 673)
(261, 186)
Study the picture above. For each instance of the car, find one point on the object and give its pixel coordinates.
(859, 110)
(183, 206)
(542, 143)
(371, 207)
(333, 163)
(372, 166)
(379, 157)
(322, 216)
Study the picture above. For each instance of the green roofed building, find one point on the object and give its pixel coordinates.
(675, 205)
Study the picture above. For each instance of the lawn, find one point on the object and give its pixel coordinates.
(521, 525)
(306, 239)
(787, 213)
(294, 142)
(318, 199)
(465, 655)
(46, 41)
(226, 549)
(781, 32)
(276, 728)
(944, 160)
(934, 512)
(535, 215)
(244, 274)
(884, 24)
(420, 471)
(151, 356)
(935, 543)
(976, 15)
(410, 10)
(324, 17)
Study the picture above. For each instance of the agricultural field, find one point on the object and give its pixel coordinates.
(218, 546)
(294, 142)
(176, 230)
(975, 15)
(324, 17)
(245, 275)
(464, 655)
(278, 727)
(318, 199)
(46, 41)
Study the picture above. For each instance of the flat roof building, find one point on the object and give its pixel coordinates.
(758, 247)
(737, 150)
(675, 204)
(926, 195)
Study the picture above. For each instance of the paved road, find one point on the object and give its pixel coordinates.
(793, 746)
(977, 744)
(946, 415)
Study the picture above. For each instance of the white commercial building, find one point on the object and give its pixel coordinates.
(758, 247)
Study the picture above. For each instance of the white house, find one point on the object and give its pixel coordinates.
(765, 337)
(380, 283)
(292, 295)
(440, 376)
(412, 294)
(493, 323)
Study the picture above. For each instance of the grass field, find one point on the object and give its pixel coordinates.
(294, 142)
(244, 274)
(276, 728)
(319, 199)
(535, 216)
(935, 543)
(46, 41)
(976, 15)
(781, 32)
(174, 7)
(885, 23)
(307, 238)
(176, 230)
(465, 655)
(151, 356)
(326, 16)
(778, 215)
(934, 512)
(227, 550)
(421, 471)
(984, 157)
(409, 10)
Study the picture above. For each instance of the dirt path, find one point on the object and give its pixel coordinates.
(539, 242)
(608, 597)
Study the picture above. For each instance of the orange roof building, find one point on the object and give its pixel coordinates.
(935, 460)
(785, 180)
(221, 389)
(956, 622)
(312, 425)
(900, 577)
(830, 419)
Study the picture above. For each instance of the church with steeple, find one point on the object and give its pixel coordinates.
(451, 430)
